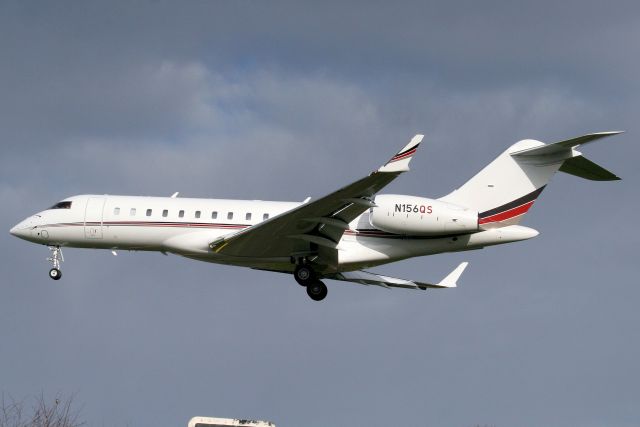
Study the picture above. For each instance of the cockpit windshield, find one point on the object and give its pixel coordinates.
(61, 205)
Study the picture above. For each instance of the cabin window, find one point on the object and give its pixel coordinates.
(181, 214)
(248, 216)
(214, 215)
(230, 215)
(165, 213)
(116, 211)
(132, 212)
(197, 214)
(61, 205)
(149, 211)
(265, 217)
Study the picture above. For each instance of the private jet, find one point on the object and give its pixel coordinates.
(336, 237)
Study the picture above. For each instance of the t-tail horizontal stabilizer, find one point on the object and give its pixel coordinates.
(367, 278)
(574, 163)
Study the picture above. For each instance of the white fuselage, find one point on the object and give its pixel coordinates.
(186, 226)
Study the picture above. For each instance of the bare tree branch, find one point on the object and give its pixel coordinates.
(59, 412)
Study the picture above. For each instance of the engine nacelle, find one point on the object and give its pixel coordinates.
(421, 216)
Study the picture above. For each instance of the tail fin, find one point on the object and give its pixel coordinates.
(506, 189)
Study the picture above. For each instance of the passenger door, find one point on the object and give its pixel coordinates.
(93, 218)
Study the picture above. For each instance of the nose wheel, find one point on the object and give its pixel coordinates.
(56, 258)
(55, 274)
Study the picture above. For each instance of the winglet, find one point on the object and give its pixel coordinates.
(452, 278)
(400, 162)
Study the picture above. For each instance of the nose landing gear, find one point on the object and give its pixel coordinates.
(56, 258)
(55, 274)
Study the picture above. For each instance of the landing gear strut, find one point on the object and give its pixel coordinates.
(56, 258)
(317, 290)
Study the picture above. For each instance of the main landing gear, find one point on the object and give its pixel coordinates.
(56, 258)
(317, 290)
(305, 276)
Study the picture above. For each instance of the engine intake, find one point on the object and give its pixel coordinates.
(421, 216)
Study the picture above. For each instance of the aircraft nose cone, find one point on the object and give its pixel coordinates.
(17, 231)
(20, 230)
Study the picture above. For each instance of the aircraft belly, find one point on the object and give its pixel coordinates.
(282, 264)
(362, 252)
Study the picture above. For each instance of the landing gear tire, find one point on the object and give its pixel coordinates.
(55, 274)
(56, 258)
(317, 291)
(304, 275)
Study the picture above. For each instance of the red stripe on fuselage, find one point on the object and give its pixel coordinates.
(150, 224)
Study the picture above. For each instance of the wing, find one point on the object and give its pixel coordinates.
(367, 278)
(314, 229)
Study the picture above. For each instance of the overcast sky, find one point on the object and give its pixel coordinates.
(284, 100)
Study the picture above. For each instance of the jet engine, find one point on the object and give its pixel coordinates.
(421, 216)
